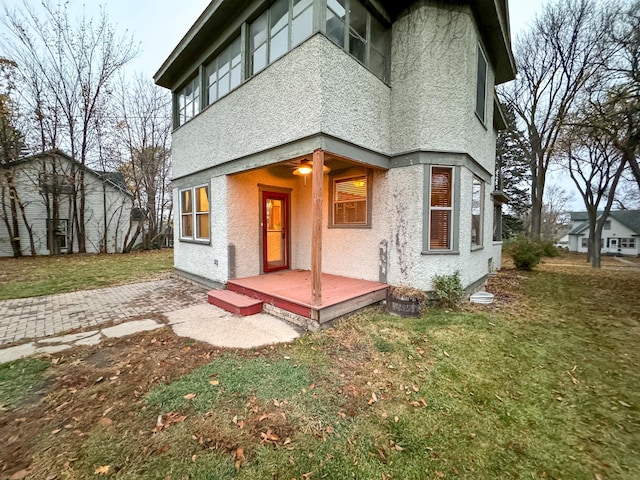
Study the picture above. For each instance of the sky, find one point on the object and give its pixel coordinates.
(158, 25)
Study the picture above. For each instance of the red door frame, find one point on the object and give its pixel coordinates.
(285, 198)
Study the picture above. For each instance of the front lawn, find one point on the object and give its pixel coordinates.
(542, 384)
(34, 276)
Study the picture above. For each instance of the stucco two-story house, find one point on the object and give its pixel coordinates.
(620, 233)
(45, 184)
(353, 138)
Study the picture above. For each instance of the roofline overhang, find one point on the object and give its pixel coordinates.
(499, 118)
(492, 17)
(493, 21)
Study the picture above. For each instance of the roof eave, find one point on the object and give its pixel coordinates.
(493, 21)
(492, 17)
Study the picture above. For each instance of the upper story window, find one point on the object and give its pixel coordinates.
(56, 183)
(188, 100)
(224, 73)
(280, 28)
(351, 26)
(277, 30)
(481, 86)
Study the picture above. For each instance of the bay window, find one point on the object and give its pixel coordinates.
(441, 208)
(477, 212)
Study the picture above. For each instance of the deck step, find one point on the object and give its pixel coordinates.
(235, 303)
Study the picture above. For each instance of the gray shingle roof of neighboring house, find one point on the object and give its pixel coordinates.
(117, 178)
(629, 218)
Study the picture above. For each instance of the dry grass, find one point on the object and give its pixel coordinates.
(541, 384)
(34, 276)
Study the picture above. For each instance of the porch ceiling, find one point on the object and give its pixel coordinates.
(284, 169)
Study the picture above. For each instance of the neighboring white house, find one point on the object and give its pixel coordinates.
(382, 114)
(44, 182)
(620, 234)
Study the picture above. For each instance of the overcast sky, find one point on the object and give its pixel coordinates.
(158, 25)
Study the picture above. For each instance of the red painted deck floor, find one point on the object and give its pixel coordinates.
(291, 291)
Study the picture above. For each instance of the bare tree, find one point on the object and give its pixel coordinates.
(12, 208)
(66, 69)
(554, 211)
(595, 167)
(143, 129)
(556, 60)
(616, 106)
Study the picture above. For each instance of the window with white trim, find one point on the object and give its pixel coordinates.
(350, 201)
(224, 73)
(477, 211)
(481, 86)
(441, 208)
(188, 100)
(194, 214)
(280, 28)
(352, 26)
(584, 242)
(628, 243)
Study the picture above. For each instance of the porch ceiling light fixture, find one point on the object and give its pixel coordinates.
(306, 167)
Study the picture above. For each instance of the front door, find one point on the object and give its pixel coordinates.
(275, 231)
(613, 245)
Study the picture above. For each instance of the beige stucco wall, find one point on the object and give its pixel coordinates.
(408, 264)
(345, 251)
(433, 75)
(319, 88)
(314, 88)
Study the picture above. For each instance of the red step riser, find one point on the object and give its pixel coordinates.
(245, 311)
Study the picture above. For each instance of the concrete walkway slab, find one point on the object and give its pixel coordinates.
(129, 328)
(68, 338)
(94, 339)
(50, 349)
(215, 326)
(15, 353)
(183, 304)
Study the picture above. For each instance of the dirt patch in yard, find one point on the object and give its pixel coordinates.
(90, 386)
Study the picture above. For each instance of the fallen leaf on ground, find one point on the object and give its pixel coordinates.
(19, 475)
(164, 421)
(102, 470)
(239, 456)
(105, 422)
(189, 396)
(214, 382)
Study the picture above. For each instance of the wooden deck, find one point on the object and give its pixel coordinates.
(290, 290)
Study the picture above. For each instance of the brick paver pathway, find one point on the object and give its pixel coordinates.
(38, 317)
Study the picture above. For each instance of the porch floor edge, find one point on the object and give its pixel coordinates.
(285, 291)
